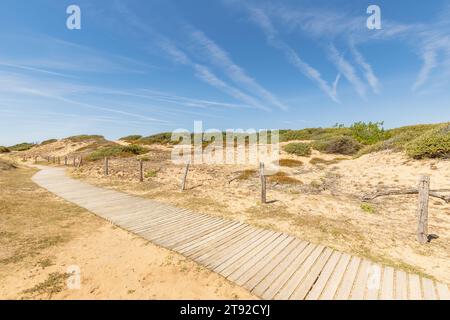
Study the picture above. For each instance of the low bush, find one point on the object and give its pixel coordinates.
(84, 137)
(131, 138)
(22, 146)
(116, 151)
(369, 133)
(338, 145)
(432, 144)
(43, 143)
(161, 138)
(298, 149)
(4, 149)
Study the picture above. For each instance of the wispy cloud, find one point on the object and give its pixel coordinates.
(201, 71)
(262, 20)
(347, 70)
(367, 69)
(221, 59)
(206, 75)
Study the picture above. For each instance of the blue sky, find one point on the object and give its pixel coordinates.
(141, 67)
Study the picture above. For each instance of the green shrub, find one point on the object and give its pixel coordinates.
(299, 149)
(160, 138)
(313, 133)
(432, 144)
(151, 174)
(367, 207)
(131, 138)
(4, 149)
(338, 145)
(368, 133)
(116, 151)
(22, 146)
(85, 137)
(43, 143)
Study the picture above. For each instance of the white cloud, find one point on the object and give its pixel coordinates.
(221, 59)
(262, 20)
(367, 69)
(347, 71)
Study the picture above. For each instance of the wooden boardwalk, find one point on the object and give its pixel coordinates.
(272, 265)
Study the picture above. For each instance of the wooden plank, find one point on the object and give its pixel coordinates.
(374, 282)
(177, 228)
(189, 247)
(178, 224)
(324, 276)
(415, 289)
(311, 277)
(227, 257)
(230, 266)
(335, 280)
(443, 291)
(387, 284)
(269, 267)
(283, 275)
(296, 279)
(210, 243)
(198, 233)
(401, 285)
(258, 261)
(228, 245)
(359, 287)
(346, 286)
(195, 233)
(429, 292)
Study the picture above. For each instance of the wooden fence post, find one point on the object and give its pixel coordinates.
(183, 181)
(35, 159)
(263, 183)
(141, 170)
(422, 212)
(59, 160)
(80, 162)
(74, 161)
(65, 160)
(106, 169)
(48, 159)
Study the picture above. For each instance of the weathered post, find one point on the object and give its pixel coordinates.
(422, 212)
(80, 162)
(48, 159)
(65, 160)
(59, 160)
(35, 159)
(74, 161)
(183, 181)
(263, 182)
(106, 169)
(141, 170)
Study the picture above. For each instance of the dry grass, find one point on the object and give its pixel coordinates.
(283, 178)
(290, 163)
(320, 161)
(32, 219)
(246, 174)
